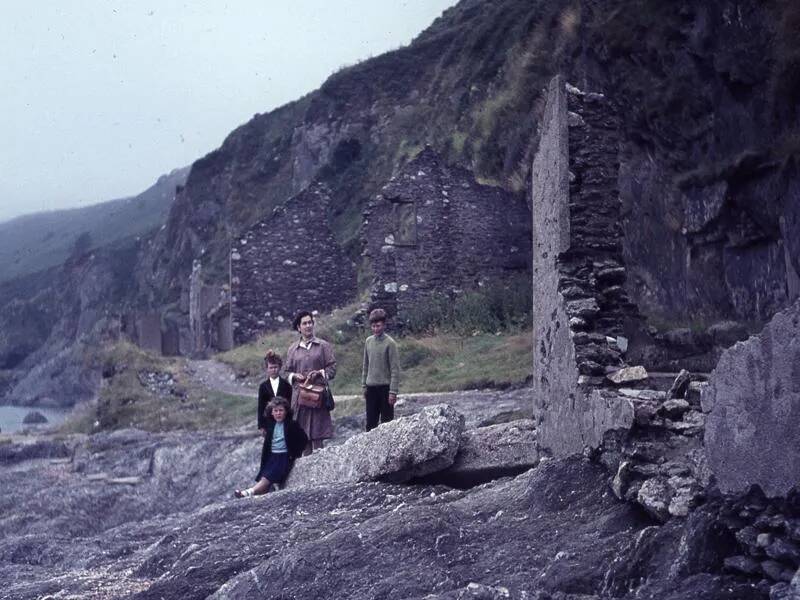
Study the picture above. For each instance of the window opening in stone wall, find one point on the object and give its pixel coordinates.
(404, 218)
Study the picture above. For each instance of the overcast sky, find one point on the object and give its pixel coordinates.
(100, 97)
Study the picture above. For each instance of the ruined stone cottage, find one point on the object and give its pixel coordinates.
(199, 326)
(433, 231)
(287, 262)
(665, 446)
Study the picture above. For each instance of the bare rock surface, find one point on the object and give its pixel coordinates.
(397, 451)
(173, 531)
(753, 406)
(479, 407)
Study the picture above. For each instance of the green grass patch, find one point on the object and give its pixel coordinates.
(429, 363)
(441, 361)
(123, 401)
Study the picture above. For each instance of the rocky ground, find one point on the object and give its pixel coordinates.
(133, 514)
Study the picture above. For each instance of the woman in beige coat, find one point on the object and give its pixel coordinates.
(310, 358)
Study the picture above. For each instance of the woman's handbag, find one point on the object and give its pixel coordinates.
(327, 399)
(310, 395)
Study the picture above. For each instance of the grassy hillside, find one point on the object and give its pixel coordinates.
(159, 393)
(153, 393)
(39, 241)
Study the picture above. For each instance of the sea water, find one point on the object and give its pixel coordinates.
(11, 417)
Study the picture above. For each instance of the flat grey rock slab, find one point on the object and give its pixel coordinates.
(490, 452)
(753, 406)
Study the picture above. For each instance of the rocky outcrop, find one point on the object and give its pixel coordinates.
(396, 451)
(288, 262)
(129, 510)
(127, 506)
(81, 302)
(24, 326)
(753, 408)
(433, 231)
(34, 417)
(701, 118)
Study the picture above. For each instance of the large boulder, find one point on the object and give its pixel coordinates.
(397, 451)
(753, 406)
(487, 453)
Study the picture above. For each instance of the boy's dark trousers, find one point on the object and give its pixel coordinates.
(377, 397)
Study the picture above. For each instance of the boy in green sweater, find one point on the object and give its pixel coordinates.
(380, 375)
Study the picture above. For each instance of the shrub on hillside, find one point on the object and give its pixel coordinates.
(498, 305)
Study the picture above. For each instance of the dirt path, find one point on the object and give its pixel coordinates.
(481, 406)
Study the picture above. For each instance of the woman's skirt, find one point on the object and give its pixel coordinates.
(316, 422)
(277, 467)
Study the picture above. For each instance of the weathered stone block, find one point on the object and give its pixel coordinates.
(489, 452)
(753, 406)
(628, 374)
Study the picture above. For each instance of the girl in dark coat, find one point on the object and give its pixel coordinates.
(284, 441)
(275, 385)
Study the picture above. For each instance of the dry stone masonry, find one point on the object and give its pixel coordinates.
(649, 429)
(587, 399)
(434, 231)
(580, 305)
(287, 262)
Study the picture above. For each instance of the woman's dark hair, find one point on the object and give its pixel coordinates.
(273, 358)
(299, 317)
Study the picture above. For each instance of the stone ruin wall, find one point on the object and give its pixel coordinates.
(580, 306)
(287, 262)
(667, 445)
(210, 323)
(200, 326)
(587, 398)
(434, 232)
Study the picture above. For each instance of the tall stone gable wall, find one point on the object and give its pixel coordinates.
(288, 262)
(580, 306)
(209, 315)
(433, 231)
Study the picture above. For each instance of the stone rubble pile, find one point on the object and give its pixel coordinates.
(768, 535)
(160, 383)
(660, 462)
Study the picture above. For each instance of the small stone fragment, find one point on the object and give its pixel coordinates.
(776, 571)
(782, 549)
(742, 564)
(628, 374)
(674, 409)
(680, 385)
